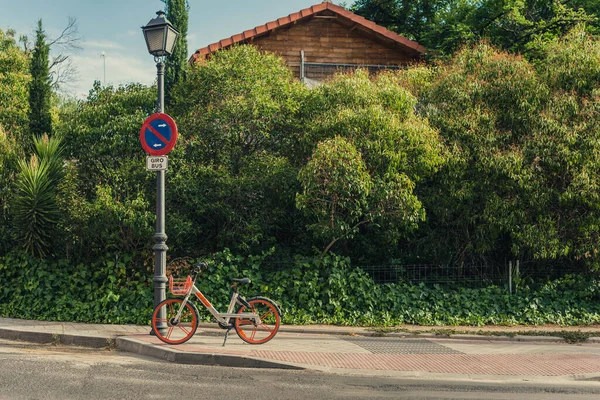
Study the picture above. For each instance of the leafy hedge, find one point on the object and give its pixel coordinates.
(324, 290)
(102, 292)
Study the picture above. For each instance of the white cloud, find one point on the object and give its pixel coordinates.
(102, 44)
(120, 69)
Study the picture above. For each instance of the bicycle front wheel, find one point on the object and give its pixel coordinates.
(171, 330)
(251, 332)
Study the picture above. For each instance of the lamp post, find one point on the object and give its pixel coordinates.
(160, 37)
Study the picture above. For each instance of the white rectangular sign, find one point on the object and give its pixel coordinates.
(156, 163)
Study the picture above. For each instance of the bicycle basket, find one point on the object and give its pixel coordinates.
(180, 286)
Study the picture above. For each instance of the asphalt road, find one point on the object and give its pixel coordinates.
(33, 371)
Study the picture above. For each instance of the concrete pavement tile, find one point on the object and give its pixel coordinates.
(496, 364)
(348, 353)
(282, 342)
(132, 344)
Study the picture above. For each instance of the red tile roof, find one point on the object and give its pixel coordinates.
(302, 14)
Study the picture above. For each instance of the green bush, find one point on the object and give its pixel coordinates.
(9, 163)
(324, 290)
(522, 171)
(232, 183)
(105, 197)
(108, 291)
(34, 207)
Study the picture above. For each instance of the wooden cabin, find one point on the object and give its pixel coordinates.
(320, 40)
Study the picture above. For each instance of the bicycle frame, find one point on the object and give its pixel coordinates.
(175, 320)
(222, 318)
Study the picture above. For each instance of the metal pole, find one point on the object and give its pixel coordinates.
(302, 65)
(103, 55)
(518, 276)
(160, 238)
(510, 277)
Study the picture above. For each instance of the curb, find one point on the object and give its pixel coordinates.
(211, 329)
(408, 335)
(138, 347)
(97, 342)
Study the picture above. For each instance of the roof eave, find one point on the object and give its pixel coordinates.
(303, 14)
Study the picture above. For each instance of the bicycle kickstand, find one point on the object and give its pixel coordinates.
(227, 334)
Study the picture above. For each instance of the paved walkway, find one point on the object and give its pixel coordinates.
(342, 349)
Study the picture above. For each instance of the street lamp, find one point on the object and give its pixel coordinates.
(160, 37)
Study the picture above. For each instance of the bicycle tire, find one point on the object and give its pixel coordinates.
(270, 317)
(175, 333)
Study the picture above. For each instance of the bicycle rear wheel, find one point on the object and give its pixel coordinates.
(170, 331)
(270, 318)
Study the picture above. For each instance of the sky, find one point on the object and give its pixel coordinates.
(113, 27)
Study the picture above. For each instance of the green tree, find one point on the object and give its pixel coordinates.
(14, 84)
(40, 120)
(591, 7)
(375, 116)
(336, 187)
(101, 137)
(446, 25)
(240, 102)
(9, 156)
(485, 104)
(522, 174)
(565, 153)
(236, 188)
(413, 19)
(105, 196)
(176, 67)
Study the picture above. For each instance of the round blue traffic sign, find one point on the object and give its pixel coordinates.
(158, 134)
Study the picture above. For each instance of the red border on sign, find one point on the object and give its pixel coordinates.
(171, 143)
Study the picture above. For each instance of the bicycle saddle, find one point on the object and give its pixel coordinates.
(243, 281)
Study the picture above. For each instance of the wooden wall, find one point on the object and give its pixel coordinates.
(328, 40)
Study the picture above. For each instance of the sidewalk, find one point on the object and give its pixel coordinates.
(343, 350)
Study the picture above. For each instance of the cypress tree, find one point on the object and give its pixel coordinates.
(177, 63)
(40, 90)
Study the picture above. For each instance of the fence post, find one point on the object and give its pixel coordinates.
(301, 65)
(510, 277)
(518, 277)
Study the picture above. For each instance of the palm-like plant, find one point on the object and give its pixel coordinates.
(34, 203)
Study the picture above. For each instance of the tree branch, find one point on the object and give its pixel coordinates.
(69, 37)
(341, 237)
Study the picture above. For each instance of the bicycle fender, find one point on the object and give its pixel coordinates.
(269, 300)
(243, 302)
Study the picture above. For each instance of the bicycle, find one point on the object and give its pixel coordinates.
(174, 321)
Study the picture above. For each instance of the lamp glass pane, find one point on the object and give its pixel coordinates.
(171, 38)
(155, 39)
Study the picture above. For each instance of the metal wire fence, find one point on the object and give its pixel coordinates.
(472, 275)
(467, 276)
(318, 72)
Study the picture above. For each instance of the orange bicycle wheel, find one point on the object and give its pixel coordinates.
(170, 331)
(270, 318)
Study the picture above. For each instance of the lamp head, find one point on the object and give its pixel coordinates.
(160, 36)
